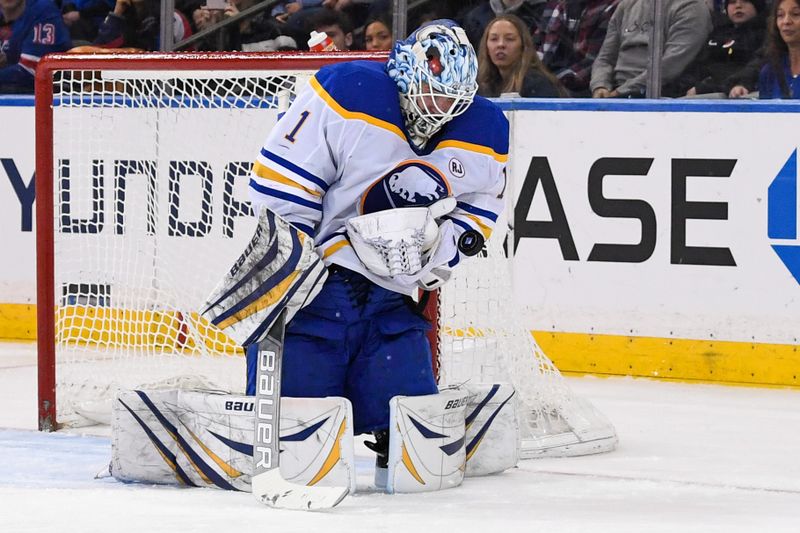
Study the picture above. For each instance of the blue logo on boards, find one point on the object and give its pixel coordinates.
(782, 208)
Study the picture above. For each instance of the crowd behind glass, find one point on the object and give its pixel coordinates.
(531, 48)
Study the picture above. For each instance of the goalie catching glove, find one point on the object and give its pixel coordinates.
(405, 242)
(279, 269)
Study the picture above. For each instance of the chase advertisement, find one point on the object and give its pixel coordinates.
(667, 224)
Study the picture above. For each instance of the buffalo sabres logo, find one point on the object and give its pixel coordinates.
(412, 183)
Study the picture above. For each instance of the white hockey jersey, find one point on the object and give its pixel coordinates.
(341, 150)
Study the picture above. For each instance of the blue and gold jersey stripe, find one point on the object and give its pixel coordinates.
(485, 230)
(275, 193)
(354, 115)
(476, 214)
(267, 173)
(334, 247)
(469, 208)
(471, 147)
(291, 167)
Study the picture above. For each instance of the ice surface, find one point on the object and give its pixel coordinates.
(692, 458)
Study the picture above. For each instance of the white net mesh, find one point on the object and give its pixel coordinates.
(483, 339)
(150, 178)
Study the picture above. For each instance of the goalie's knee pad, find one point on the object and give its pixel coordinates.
(200, 439)
(492, 431)
(426, 442)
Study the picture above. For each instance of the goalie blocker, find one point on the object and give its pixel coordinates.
(199, 439)
(279, 270)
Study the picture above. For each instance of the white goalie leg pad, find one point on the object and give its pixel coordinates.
(143, 438)
(317, 442)
(426, 442)
(199, 439)
(279, 269)
(492, 430)
(215, 433)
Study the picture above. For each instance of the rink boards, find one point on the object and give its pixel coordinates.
(653, 239)
(663, 236)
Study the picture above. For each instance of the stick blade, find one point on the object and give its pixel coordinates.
(273, 491)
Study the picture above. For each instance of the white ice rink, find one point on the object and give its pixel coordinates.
(691, 458)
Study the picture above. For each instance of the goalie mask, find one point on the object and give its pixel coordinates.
(436, 71)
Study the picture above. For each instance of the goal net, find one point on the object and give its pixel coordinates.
(142, 171)
(482, 338)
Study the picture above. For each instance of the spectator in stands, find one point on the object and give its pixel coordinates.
(29, 29)
(476, 20)
(429, 15)
(134, 24)
(621, 67)
(571, 35)
(284, 10)
(779, 76)
(457, 9)
(260, 32)
(335, 23)
(356, 12)
(745, 80)
(378, 32)
(203, 18)
(84, 17)
(735, 40)
(508, 62)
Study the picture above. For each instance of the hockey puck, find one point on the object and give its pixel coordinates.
(470, 243)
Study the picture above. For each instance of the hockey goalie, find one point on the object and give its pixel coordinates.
(378, 182)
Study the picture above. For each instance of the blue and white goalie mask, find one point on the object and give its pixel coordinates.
(436, 72)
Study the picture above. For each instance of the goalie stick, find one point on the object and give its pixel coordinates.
(268, 486)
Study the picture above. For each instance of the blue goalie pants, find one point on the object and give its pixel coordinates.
(359, 341)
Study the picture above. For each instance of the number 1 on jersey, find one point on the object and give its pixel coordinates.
(291, 135)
